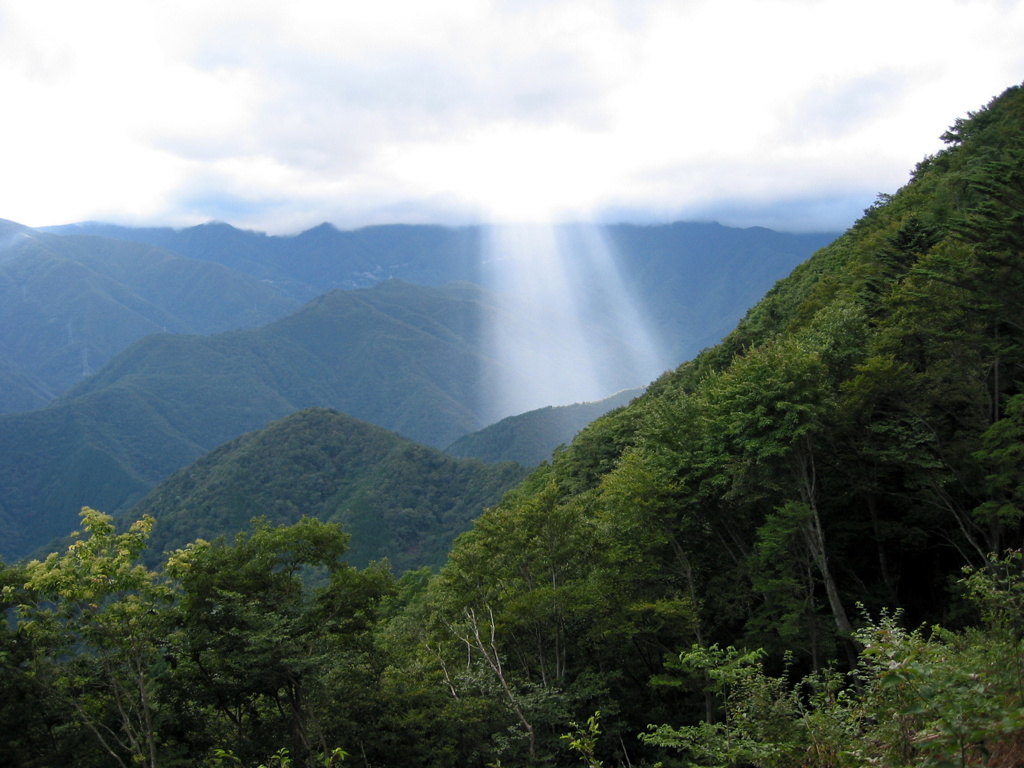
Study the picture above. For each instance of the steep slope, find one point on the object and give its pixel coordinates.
(850, 447)
(397, 499)
(69, 304)
(530, 438)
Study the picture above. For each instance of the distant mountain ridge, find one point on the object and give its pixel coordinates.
(68, 304)
(692, 280)
(319, 259)
(73, 296)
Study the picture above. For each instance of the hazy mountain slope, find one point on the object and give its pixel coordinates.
(69, 304)
(322, 258)
(693, 279)
(21, 392)
(690, 281)
(56, 460)
(405, 357)
(530, 438)
(397, 499)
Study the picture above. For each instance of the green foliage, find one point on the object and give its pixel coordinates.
(280, 759)
(758, 713)
(940, 698)
(398, 501)
(267, 644)
(260, 644)
(97, 603)
(1001, 458)
(583, 740)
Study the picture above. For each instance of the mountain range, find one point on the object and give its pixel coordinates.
(690, 281)
(405, 357)
(802, 547)
(69, 303)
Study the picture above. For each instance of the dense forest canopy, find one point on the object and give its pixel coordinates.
(802, 548)
(398, 500)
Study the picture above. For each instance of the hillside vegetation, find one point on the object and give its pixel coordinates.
(802, 548)
(850, 447)
(398, 500)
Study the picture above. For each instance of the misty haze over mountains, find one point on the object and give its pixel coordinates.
(128, 353)
(688, 281)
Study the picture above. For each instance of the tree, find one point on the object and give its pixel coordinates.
(774, 407)
(261, 655)
(93, 614)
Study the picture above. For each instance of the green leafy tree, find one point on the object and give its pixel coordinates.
(775, 405)
(261, 657)
(93, 615)
(758, 726)
(1001, 457)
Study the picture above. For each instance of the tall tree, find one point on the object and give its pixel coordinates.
(255, 646)
(94, 619)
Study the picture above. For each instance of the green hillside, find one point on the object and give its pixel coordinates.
(398, 500)
(401, 356)
(405, 357)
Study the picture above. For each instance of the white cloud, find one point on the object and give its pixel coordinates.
(279, 115)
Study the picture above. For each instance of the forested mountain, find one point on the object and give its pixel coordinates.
(69, 304)
(71, 299)
(397, 499)
(407, 359)
(529, 438)
(404, 357)
(849, 448)
(746, 566)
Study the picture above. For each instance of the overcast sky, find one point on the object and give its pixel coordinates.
(276, 116)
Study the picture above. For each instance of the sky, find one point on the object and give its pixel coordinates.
(276, 116)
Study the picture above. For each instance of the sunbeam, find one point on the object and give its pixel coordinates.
(566, 329)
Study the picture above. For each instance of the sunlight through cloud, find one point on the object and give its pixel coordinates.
(566, 329)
